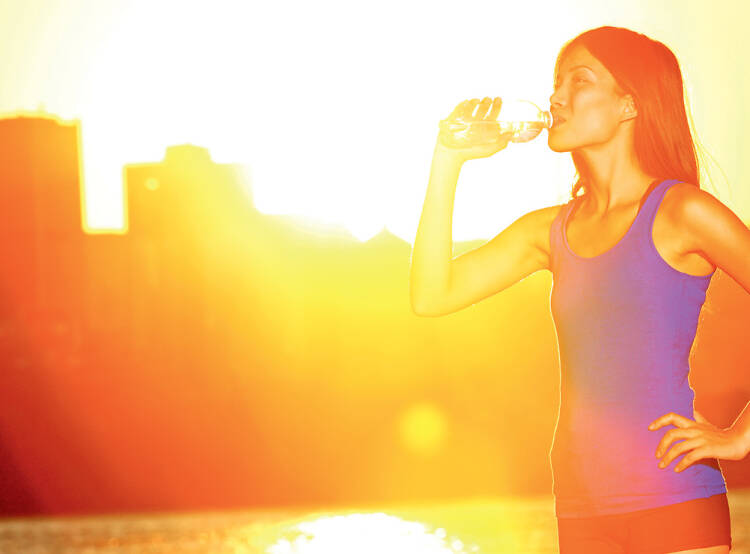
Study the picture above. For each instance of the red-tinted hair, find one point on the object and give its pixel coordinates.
(650, 72)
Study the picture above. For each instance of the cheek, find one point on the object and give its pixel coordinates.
(594, 115)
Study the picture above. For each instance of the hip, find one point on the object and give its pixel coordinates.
(696, 523)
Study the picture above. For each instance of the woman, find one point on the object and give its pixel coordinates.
(631, 258)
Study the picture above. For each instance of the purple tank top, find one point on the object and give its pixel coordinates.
(625, 322)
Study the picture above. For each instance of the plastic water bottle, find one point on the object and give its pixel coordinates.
(524, 119)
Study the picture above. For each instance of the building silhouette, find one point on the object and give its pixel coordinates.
(41, 284)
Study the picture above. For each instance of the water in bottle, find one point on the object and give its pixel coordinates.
(523, 119)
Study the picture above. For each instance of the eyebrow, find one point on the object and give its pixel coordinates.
(573, 68)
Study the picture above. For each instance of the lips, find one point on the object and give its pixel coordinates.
(558, 121)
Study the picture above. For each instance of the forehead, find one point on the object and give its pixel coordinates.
(579, 55)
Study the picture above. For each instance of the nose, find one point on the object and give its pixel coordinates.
(554, 99)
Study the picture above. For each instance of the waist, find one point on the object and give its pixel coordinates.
(578, 506)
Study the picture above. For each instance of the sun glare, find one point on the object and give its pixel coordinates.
(340, 135)
(338, 122)
(365, 534)
(423, 428)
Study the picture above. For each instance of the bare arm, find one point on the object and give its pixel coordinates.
(516, 252)
(429, 273)
(441, 285)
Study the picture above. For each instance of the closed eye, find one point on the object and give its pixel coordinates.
(579, 79)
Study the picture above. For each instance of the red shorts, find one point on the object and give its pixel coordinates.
(697, 523)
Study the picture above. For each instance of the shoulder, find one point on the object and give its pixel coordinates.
(538, 224)
(700, 216)
(680, 194)
(540, 220)
(714, 230)
(687, 204)
(545, 216)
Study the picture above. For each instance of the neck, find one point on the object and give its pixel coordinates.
(616, 179)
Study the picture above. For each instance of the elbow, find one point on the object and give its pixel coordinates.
(417, 307)
(425, 304)
(423, 311)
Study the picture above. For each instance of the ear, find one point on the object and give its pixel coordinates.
(629, 110)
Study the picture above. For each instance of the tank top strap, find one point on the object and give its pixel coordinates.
(645, 219)
(639, 230)
(557, 247)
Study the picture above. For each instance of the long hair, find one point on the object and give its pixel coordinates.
(650, 72)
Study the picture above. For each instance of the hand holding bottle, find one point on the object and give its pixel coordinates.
(482, 134)
(478, 138)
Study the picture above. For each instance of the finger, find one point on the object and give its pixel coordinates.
(496, 105)
(484, 107)
(692, 457)
(675, 419)
(471, 107)
(658, 422)
(673, 435)
(680, 448)
(458, 110)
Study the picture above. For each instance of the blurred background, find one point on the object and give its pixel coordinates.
(207, 215)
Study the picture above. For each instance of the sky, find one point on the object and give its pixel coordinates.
(334, 105)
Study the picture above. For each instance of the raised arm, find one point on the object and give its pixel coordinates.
(439, 284)
(517, 251)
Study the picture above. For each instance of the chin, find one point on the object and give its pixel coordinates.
(555, 146)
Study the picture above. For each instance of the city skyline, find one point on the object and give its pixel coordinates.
(247, 353)
(337, 123)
